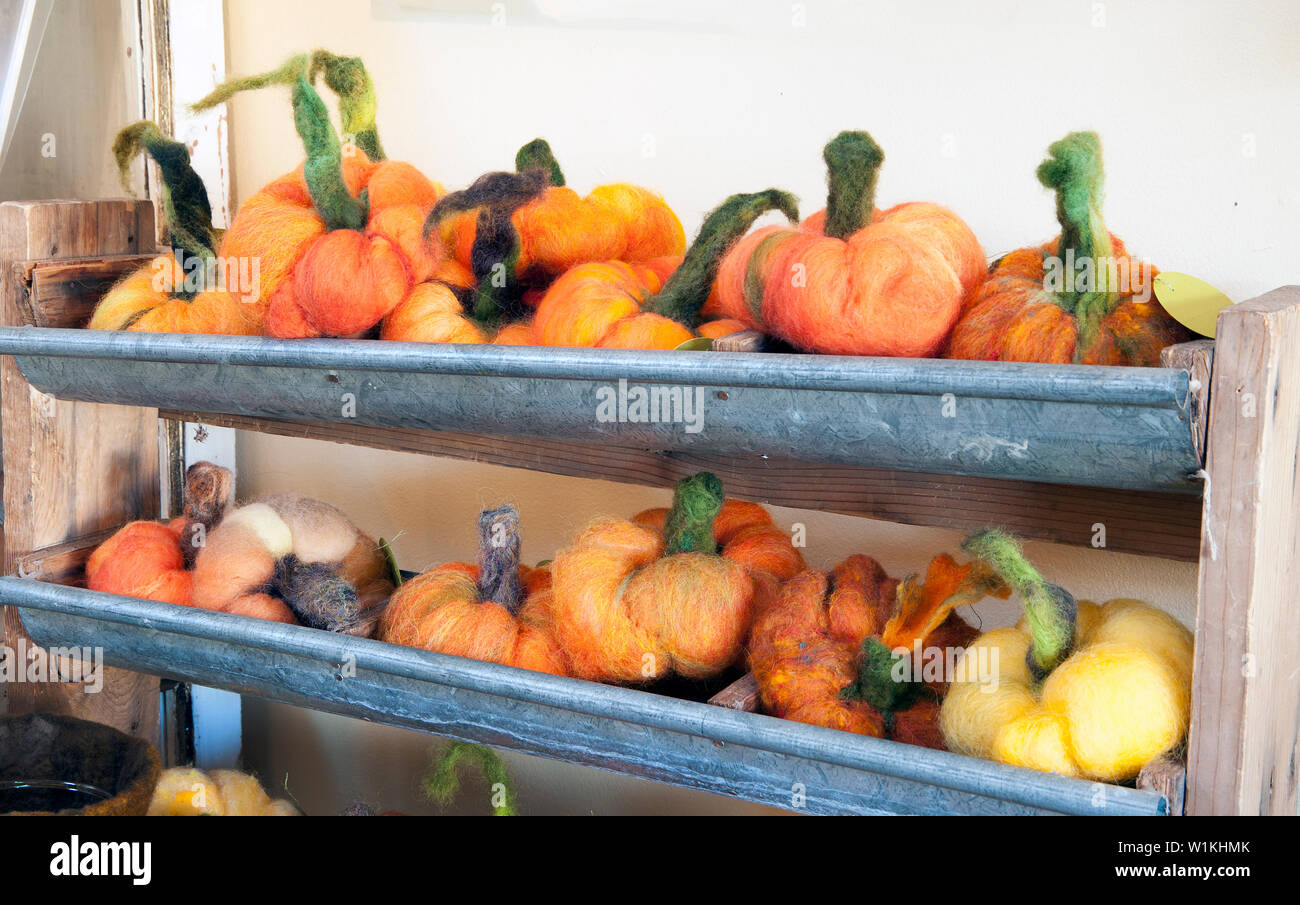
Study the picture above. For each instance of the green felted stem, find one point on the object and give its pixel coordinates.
(323, 169)
(498, 558)
(494, 258)
(876, 684)
(1050, 610)
(537, 155)
(1074, 171)
(347, 77)
(443, 783)
(287, 73)
(853, 162)
(697, 500)
(687, 289)
(185, 199)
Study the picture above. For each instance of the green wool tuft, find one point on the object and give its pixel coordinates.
(688, 288)
(697, 500)
(443, 783)
(853, 162)
(185, 198)
(876, 683)
(537, 155)
(323, 169)
(1050, 611)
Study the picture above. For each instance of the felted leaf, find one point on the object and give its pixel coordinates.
(922, 607)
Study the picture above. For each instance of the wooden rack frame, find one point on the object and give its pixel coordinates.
(74, 468)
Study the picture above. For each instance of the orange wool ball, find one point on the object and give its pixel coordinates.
(143, 559)
(852, 280)
(633, 602)
(497, 611)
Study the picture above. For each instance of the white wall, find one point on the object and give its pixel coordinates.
(1194, 101)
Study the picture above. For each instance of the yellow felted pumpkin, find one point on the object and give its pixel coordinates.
(187, 792)
(1076, 688)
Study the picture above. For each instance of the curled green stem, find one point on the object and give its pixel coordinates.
(537, 155)
(323, 169)
(687, 289)
(185, 199)
(853, 162)
(443, 783)
(697, 500)
(1073, 170)
(1050, 610)
(498, 558)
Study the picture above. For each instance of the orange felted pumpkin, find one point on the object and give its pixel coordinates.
(1078, 299)
(498, 610)
(340, 242)
(824, 651)
(671, 591)
(853, 280)
(150, 559)
(560, 229)
(184, 291)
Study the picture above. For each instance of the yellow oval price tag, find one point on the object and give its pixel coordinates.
(1191, 301)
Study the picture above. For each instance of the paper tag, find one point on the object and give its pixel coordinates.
(1192, 302)
(697, 344)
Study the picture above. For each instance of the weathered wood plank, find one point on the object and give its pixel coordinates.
(1197, 358)
(741, 694)
(71, 469)
(1167, 775)
(64, 293)
(1157, 524)
(1246, 694)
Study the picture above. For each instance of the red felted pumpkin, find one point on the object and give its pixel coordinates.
(671, 591)
(1078, 299)
(823, 651)
(853, 280)
(497, 610)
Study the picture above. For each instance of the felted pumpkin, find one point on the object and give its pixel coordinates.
(340, 242)
(854, 280)
(1078, 299)
(291, 559)
(561, 229)
(1076, 688)
(497, 610)
(669, 591)
(151, 560)
(188, 792)
(184, 291)
(824, 651)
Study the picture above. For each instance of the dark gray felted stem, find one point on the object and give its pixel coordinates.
(498, 558)
(687, 289)
(318, 597)
(185, 199)
(494, 258)
(323, 169)
(853, 162)
(537, 155)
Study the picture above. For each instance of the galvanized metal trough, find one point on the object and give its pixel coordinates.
(1067, 424)
(695, 745)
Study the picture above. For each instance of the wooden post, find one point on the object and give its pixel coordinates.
(71, 469)
(1246, 687)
